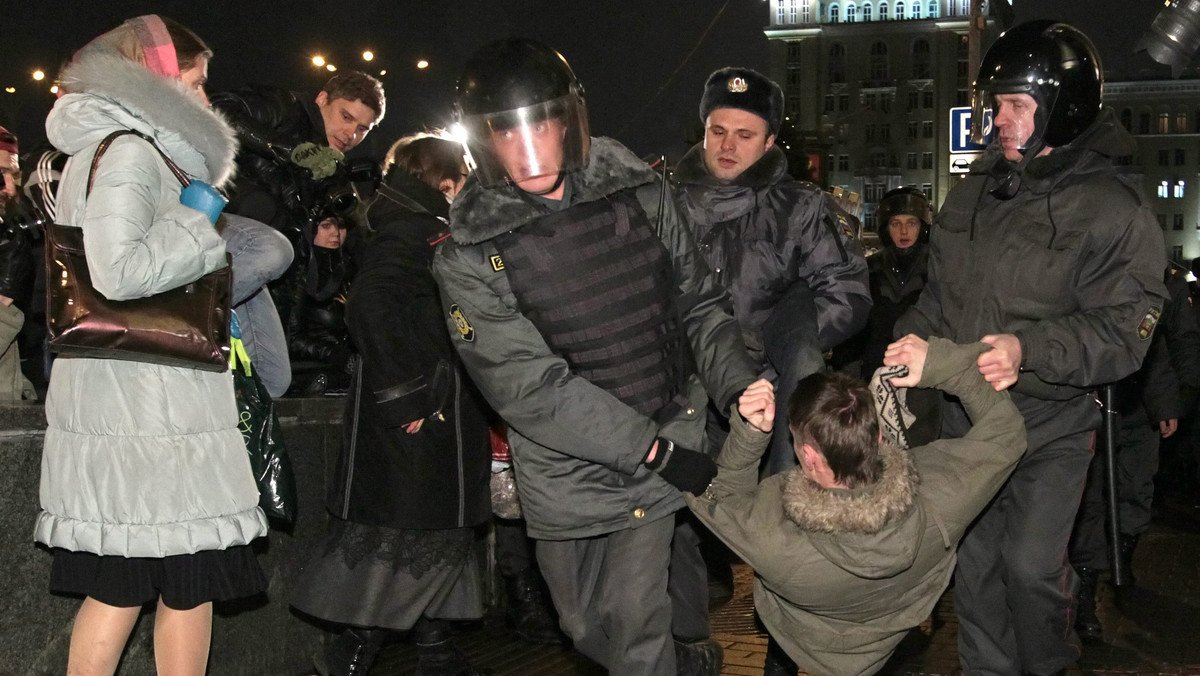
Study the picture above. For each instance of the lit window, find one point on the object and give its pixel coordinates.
(1177, 190)
(1162, 189)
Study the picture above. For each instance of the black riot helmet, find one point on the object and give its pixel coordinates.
(903, 201)
(1052, 62)
(510, 92)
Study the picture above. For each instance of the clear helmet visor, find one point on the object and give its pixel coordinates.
(529, 147)
(1021, 127)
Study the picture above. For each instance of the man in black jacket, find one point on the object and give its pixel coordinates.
(1046, 253)
(271, 123)
(782, 248)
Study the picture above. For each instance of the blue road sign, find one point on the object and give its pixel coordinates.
(960, 130)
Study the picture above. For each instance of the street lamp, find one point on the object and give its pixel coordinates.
(330, 67)
(38, 75)
(318, 61)
(422, 64)
(368, 55)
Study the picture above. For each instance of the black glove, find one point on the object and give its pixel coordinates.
(682, 468)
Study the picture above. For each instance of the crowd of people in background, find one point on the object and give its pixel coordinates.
(641, 348)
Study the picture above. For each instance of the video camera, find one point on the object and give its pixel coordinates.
(322, 184)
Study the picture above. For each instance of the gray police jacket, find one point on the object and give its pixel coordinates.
(576, 448)
(1072, 265)
(764, 232)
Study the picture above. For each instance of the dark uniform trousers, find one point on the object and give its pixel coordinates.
(1137, 463)
(1013, 587)
(611, 595)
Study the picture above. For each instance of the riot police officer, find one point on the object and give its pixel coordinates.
(1045, 253)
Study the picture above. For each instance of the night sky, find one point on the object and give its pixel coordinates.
(635, 58)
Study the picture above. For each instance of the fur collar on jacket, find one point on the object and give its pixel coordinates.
(479, 214)
(770, 169)
(866, 510)
(193, 135)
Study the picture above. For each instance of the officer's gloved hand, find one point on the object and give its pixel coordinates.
(684, 469)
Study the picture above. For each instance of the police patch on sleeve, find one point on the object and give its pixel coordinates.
(497, 262)
(460, 322)
(1146, 328)
(844, 224)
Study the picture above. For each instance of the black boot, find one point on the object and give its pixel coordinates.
(699, 658)
(778, 663)
(1087, 623)
(352, 653)
(530, 612)
(1128, 544)
(437, 654)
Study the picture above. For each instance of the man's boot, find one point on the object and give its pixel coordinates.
(1128, 544)
(699, 658)
(352, 653)
(437, 654)
(778, 663)
(1087, 623)
(530, 612)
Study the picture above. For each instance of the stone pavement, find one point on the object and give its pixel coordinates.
(1154, 629)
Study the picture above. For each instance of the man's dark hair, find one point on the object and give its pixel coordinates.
(355, 85)
(835, 414)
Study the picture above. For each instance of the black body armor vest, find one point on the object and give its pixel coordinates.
(599, 286)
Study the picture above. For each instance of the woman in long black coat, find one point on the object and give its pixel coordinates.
(411, 485)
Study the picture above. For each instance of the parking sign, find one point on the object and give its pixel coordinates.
(960, 130)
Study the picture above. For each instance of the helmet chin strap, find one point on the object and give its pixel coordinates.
(1008, 175)
(557, 184)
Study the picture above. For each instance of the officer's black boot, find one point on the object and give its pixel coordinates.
(778, 663)
(1087, 623)
(1128, 544)
(436, 653)
(699, 658)
(530, 612)
(352, 653)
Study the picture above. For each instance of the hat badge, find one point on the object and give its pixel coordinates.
(737, 85)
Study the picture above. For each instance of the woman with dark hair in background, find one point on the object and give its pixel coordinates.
(411, 486)
(146, 489)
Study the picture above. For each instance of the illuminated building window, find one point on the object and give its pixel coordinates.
(1163, 191)
(1164, 122)
(1177, 190)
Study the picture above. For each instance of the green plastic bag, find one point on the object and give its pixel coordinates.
(260, 430)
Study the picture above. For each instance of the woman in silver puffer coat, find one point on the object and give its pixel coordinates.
(146, 488)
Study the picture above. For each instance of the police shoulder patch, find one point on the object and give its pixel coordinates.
(465, 330)
(497, 262)
(1146, 328)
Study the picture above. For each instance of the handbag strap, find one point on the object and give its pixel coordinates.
(184, 180)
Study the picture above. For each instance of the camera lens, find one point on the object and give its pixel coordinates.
(1174, 36)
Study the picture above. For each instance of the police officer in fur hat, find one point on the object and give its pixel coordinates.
(782, 248)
